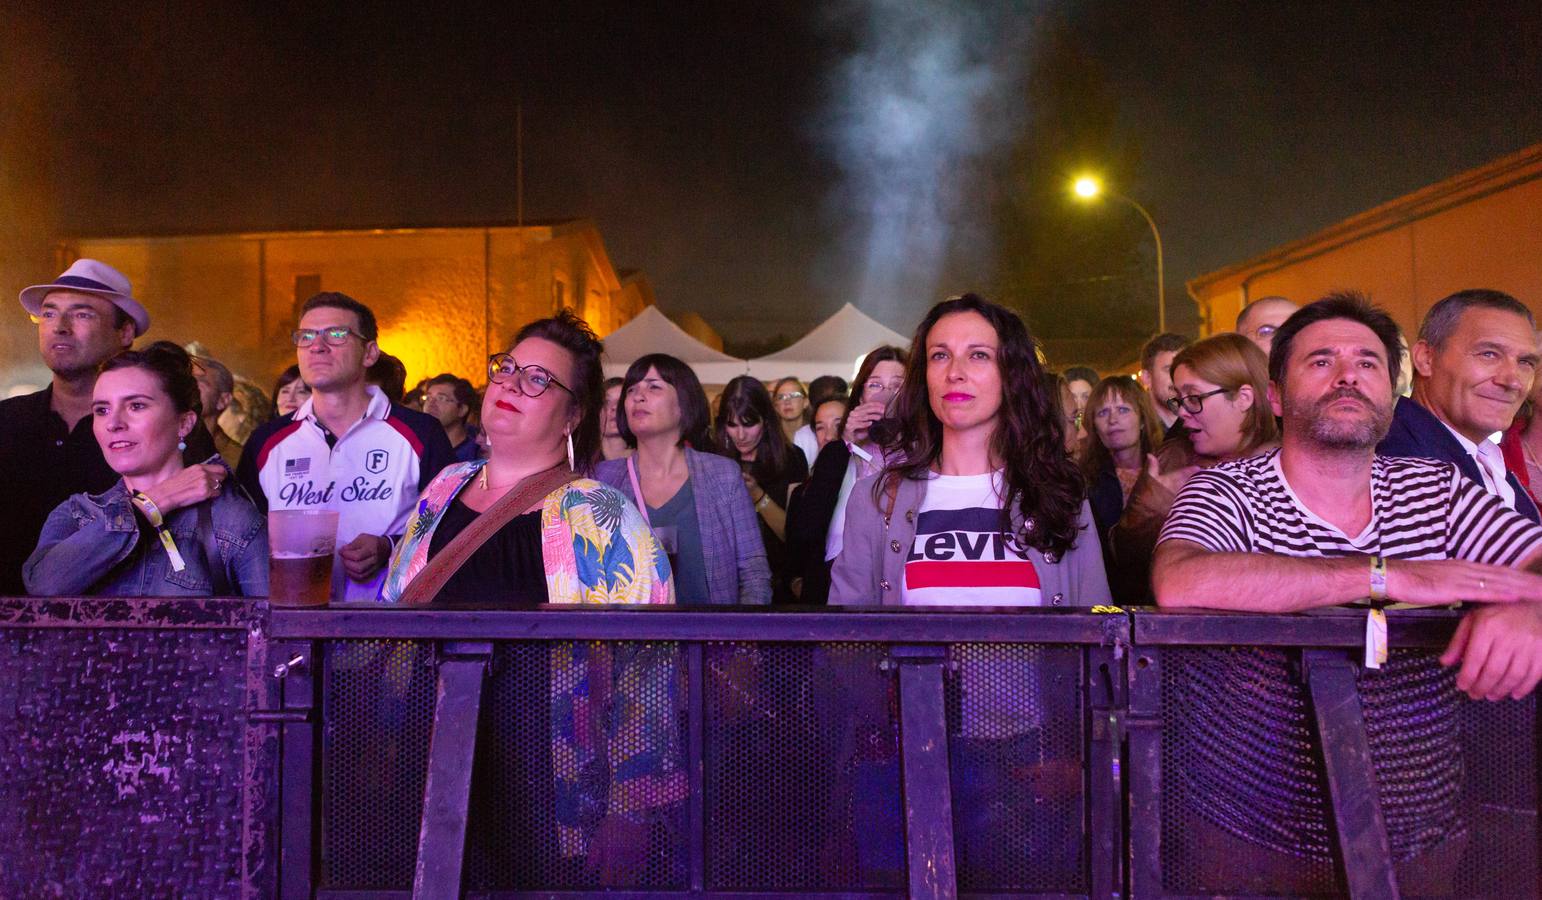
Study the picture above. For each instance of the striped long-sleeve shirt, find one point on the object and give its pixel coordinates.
(1420, 510)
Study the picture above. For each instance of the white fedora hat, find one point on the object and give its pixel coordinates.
(90, 276)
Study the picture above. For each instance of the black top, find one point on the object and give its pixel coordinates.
(782, 572)
(507, 569)
(808, 521)
(45, 461)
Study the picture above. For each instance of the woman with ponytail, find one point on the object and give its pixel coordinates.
(166, 529)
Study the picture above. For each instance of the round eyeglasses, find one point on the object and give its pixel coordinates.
(532, 380)
(1194, 403)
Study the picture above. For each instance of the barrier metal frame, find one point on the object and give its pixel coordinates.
(917, 643)
(1122, 660)
(1330, 645)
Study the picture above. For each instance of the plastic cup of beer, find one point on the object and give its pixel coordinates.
(301, 543)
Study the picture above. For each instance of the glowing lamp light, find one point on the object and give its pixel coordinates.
(1088, 187)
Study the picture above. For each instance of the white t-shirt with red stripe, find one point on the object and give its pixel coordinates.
(960, 557)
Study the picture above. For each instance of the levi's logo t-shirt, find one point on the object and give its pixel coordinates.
(959, 556)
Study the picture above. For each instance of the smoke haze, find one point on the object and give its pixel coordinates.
(919, 110)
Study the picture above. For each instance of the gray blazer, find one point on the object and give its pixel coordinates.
(871, 566)
(737, 571)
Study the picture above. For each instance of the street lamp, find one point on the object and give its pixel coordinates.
(1088, 188)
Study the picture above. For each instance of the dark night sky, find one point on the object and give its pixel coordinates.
(699, 136)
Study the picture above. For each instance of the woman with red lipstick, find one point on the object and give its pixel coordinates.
(979, 505)
(694, 499)
(521, 528)
(165, 529)
(747, 432)
(1222, 387)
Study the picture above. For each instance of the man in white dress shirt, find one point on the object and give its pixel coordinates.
(1474, 364)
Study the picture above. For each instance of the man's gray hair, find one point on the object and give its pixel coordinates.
(1443, 317)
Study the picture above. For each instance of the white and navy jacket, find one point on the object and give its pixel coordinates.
(372, 474)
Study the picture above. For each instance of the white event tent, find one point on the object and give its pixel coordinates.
(835, 347)
(650, 331)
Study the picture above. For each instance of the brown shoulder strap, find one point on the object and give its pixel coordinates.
(428, 582)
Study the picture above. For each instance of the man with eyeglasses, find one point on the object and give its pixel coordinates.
(1260, 319)
(47, 446)
(451, 399)
(347, 448)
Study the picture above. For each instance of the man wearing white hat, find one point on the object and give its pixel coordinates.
(47, 448)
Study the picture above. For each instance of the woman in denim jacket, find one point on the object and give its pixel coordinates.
(165, 529)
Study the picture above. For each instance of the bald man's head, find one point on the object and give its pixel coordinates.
(1260, 319)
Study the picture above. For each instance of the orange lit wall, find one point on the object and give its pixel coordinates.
(445, 298)
(1481, 229)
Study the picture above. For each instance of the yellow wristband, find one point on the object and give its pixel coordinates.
(148, 507)
(1378, 578)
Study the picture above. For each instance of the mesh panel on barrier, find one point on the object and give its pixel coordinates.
(142, 795)
(1499, 801)
(1016, 748)
(378, 708)
(580, 779)
(1244, 805)
(802, 768)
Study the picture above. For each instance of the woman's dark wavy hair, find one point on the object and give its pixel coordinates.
(746, 401)
(1042, 482)
(570, 332)
(689, 395)
(170, 365)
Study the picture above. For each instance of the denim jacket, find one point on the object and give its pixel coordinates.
(91, 545)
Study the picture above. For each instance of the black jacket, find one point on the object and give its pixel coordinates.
(1417, 432)
(808, 522)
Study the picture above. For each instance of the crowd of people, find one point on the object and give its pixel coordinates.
(1311, 457)
(957, 471)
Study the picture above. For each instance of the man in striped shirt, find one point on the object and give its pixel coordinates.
(1324, 521)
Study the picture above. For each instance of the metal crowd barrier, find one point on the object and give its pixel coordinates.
(208, 748)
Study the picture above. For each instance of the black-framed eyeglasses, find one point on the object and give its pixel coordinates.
(336, 336)
(1194, 403)
(531, 380)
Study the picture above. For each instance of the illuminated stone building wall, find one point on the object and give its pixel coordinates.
(445, 297)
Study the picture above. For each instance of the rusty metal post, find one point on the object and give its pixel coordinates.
(924, 772)
(451, 751)
(1365, 854)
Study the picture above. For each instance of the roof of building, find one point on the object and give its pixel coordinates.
(1521, 166)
